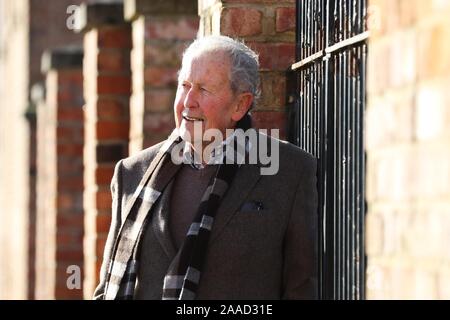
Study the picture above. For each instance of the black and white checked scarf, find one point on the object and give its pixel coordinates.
(182, 279)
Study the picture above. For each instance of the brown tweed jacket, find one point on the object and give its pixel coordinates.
(270, 253)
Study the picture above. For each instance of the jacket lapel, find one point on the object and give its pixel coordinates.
(243, 183)
(154, 163)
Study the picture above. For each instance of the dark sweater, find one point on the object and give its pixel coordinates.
(188, 189)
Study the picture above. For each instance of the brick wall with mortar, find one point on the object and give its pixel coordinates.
(268, 27)
(107, 87)
(28, 28)
(161, 31)
(59, 219)
(48, 29)
(408, 143)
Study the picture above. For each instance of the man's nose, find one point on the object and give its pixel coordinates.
(190, 101)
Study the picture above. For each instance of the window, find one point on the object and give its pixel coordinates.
(327, 119)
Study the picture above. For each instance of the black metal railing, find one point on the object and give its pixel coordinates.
(327, 120)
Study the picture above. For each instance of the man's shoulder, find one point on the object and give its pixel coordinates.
(288, 151)
(140, 161)
(287, 167)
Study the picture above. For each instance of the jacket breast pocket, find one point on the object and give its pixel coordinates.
(252, 206)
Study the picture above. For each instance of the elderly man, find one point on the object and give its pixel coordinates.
(212, 229)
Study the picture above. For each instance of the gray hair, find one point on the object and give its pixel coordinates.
(244, 75)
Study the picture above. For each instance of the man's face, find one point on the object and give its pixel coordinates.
(204, 95)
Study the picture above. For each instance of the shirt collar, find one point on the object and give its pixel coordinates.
(217, 154)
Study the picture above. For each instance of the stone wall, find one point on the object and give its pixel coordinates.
(408, 150)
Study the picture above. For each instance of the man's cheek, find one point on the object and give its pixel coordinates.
(178, 109)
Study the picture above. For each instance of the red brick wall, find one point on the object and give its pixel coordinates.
(60, 178)
(268, 27)
(47, 29)
(158, 43)
(107, 81)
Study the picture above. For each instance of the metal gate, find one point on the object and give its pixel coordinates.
(326, 119)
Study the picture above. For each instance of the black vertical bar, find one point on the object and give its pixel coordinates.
(306, 119)
(349, 139)
(342, 171)
(341, 22)
(319, 33)
(349, 173)
(314, 14)
(305, 110)
(324, 292)
(312, 108)
(363, 171)
(313, 83)
(344, 19)
(318, 107)
(307, 103)
(298, 104)
(323, 192)
(353, 69)
(320, 175)
(359, 150)
(360, 17)
(310, 73)
(336, 22)
(328, 210)
(347, 168)
(357, 173)
(350, 17)
(339, 173)
(318, 111)
(298, 19)
(300, 111)
(308, 31)
(344, 167)
(337, 176)
(305, 29)
(350, 166)
(305, 97)
(343, 180)
(316, 84)
(302, 29)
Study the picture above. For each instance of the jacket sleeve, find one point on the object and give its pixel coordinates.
(301, 254)
(116, 193)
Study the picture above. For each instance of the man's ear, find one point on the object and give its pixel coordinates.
(243, 105)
